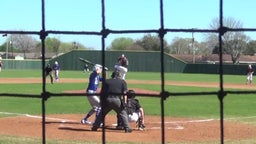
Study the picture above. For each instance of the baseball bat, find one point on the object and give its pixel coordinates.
(89, 62)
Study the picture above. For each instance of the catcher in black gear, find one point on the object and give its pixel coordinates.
(134, 111)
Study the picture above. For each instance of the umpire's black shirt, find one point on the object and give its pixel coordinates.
(113, 87)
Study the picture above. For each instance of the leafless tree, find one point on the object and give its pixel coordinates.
(23, 42)
(187, 46)
(180, 46)
(234, 43)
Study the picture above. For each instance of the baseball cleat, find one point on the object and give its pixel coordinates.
(119, 127)
(127, 130)
(83, 121)
(141, 127)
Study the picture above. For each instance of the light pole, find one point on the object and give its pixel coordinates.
(11, 46)
(6, 54)
(193, 47)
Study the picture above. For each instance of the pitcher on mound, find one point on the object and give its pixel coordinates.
(122, 65)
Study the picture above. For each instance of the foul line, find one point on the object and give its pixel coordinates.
(175, 123)
(38, 117)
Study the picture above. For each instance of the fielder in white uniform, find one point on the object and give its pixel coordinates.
(249, 72)
(56, 68)
(122, 66)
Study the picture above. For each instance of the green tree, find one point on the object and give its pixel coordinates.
(66, 47)
(152, 43)
(3, 47)
(135, 47)
(11, 49)
(52, 45)
(251, 48)
(120, 43)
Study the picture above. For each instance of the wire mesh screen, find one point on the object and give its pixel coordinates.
(103, 32)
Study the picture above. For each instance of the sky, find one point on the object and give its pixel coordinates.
(85, 15)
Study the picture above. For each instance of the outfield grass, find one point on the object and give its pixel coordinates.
(133, 75)
(183, 106)
(186, 106)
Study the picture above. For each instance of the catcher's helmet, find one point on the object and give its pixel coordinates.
(130, 94)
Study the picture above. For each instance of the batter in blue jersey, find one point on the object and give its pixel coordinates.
(94, 100)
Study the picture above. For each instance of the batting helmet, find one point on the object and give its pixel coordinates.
(97, 66)
(130, 94)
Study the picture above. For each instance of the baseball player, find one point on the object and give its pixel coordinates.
(86, 68)
(94, 100)
(134, 110)
(1, 65)
(56, 68)
(122, 65)
(48, 72)
(249, 72)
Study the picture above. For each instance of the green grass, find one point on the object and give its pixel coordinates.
(180, 106)
(132, 75)
(20, 73)
(5, 139)
(186, 77)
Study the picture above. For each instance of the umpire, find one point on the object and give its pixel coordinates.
(112, 92)
(48, 72)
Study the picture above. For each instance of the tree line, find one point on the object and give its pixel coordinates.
(18, 43)
(234, 44)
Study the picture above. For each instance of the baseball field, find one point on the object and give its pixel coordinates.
(189, 119)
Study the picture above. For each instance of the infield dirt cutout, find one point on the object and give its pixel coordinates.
(68, 126)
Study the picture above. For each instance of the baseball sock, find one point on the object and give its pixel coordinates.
(91, 112)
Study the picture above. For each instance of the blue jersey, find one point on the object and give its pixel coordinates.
(56, 67)
(94, 81)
